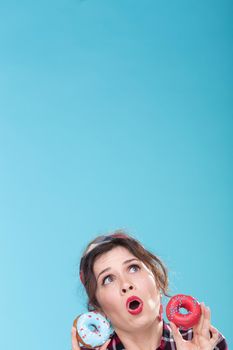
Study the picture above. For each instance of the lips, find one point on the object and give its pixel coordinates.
(134, 305)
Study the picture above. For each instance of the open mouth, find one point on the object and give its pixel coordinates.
(134, 305)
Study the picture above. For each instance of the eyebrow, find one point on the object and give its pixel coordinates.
(109, 268)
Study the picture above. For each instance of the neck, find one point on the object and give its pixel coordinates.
(143, 339)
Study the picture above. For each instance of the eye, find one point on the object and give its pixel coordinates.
(107, 279)
(134, 267)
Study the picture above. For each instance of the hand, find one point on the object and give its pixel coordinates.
(201, 334)
(75, 344)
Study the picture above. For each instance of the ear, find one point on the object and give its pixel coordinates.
(102, 313)
(99, 310)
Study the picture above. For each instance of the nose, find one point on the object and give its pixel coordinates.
(126, 288)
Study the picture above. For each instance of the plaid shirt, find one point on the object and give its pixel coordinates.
(167, 340)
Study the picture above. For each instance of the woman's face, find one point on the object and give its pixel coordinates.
(120, 275)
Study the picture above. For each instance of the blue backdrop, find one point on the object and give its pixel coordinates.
(113, 114)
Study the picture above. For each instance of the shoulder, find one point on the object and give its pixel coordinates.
(115, 343)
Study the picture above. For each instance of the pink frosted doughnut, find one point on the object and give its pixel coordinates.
(187, 302)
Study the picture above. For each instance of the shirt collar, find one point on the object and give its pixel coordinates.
(167, 337)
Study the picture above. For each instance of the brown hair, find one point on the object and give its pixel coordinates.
(118, 238)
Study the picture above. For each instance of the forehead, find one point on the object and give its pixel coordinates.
(112, 258)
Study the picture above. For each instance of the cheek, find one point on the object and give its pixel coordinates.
(108, 299)
(147, 282)
(152, 282)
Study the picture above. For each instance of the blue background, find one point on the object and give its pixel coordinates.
(113, 114)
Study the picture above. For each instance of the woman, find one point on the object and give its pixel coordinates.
(116, 269)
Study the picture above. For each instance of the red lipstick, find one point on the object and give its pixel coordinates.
(134, 305)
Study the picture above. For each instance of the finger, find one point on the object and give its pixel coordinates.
(213, 330)
(75, 345)
(176, 334)
(105, 345)
(197, 328)
(205, 331)
(215, 336)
